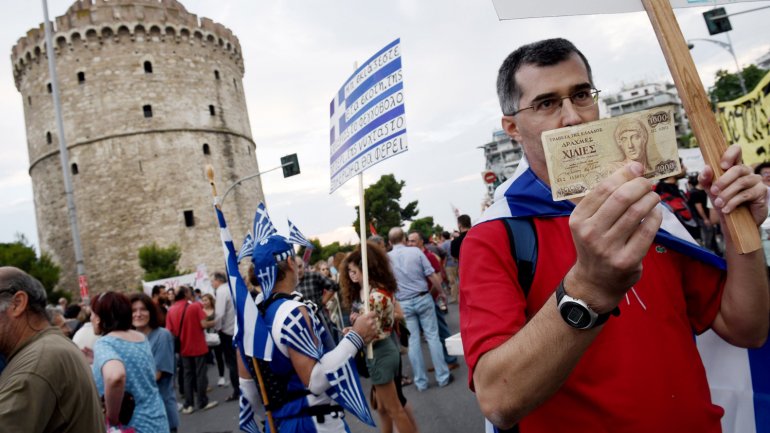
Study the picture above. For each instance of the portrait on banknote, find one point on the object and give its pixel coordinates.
(578, 157)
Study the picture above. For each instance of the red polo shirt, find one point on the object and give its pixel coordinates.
(193, 340)
(641, 374)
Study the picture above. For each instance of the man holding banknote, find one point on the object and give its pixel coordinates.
(600, 337)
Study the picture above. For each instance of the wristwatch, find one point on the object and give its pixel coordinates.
(577, 313)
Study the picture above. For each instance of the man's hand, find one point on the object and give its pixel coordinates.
(613, 226)
(366, 327)
(738, 185)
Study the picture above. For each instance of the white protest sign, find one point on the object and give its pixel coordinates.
(367, 116)
(197, 280)
(516, 9)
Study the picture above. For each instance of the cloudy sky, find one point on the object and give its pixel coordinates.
(298, 53)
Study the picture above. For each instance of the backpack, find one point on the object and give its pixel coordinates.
(678, 205)
(523, 244)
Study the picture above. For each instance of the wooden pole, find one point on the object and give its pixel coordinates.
(740, 224)
(263, 393)
(260, 381)
(364, 258)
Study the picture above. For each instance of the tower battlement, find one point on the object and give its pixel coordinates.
(123, 21)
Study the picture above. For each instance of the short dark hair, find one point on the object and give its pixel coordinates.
(446, 235)
(72, 311)
(547, 52)
(464, 221)
(150, 306)
(156, 289)
(219, 276)
(182, 293)
(758, 169)
(422, 236)
(114, 311)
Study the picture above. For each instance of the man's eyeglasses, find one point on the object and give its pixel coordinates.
(547, 106)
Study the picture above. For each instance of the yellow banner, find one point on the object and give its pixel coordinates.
(746, 121)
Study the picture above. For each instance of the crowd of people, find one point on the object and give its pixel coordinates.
(131, 347)
(574, 315)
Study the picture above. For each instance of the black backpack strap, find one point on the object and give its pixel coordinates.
(523, 241)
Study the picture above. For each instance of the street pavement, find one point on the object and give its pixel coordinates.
(437, 410)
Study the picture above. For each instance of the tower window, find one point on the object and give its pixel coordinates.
(206, 150)
(48, 138)
(212, 110)
(81, 77)
(48, 86)
(216, 74)
(189, 218)
(235, 84)
(29, 100)
(75, 168)
(147, 111)
(148, 67)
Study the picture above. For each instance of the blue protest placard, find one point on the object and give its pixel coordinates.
(368, 123)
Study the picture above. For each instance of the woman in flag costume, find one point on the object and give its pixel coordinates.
(307, 386)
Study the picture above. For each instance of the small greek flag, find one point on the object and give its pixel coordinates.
(249, 339)
(296, 237)
(246, 420)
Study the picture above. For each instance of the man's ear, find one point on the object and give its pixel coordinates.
(19, 303)
(511, 127)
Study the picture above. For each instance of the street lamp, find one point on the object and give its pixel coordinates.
(50, 53)
(729, 47)
(290, 166)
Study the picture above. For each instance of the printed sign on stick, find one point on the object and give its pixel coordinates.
(367, 116)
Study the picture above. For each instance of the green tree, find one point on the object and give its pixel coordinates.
(334, 248)
(159, 262)
(422, 225)
(323, 252)
(22, 255)
(728, 87)
(426, 226)
(383, 209)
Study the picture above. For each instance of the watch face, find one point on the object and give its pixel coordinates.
(575, 315)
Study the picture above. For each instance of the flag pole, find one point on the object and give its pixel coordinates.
(364, 260)
(740, 224)
(260, 380)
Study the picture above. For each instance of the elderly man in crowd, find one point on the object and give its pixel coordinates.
(46, 385)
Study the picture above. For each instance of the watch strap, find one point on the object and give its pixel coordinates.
(600, 318)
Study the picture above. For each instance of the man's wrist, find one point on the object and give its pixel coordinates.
(581, 288)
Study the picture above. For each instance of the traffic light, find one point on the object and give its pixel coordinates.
(290, 165)
(717, 25)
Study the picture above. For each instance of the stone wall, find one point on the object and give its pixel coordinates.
(136, 175)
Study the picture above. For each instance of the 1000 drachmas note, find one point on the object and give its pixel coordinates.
(579, 157)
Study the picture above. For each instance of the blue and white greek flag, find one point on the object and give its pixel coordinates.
(347, 391)
(740, 383)
(296, 237)
(246, 420)
(250, 340)
(247, 248)
(345, 385)
(263, 226)
(367, 116)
